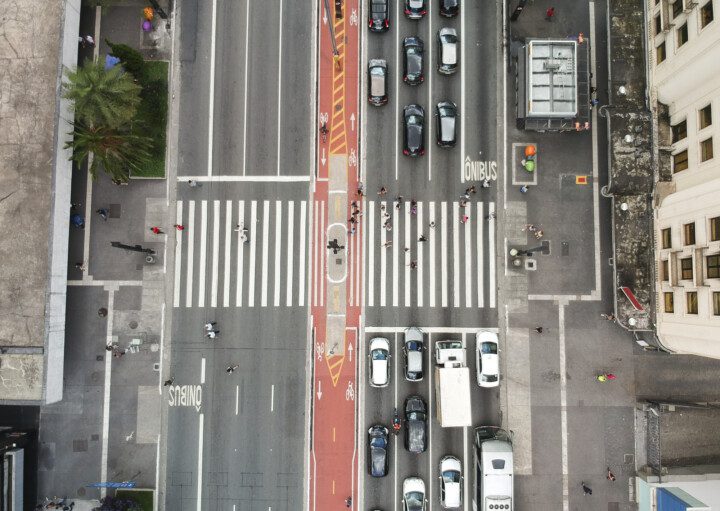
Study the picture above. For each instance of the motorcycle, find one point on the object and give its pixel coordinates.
(396, 422)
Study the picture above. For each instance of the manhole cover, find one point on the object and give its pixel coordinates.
(565, 248)
(133, 325)
(95, 437)
(338, 261)
(99, 358)
(80, 445)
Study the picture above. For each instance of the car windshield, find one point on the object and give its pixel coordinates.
(379, 355)
(378, 442)
(416, 416)
(413, 346)
(489, 347)
(489, 377)
(414, 500)
(416, 4)
(451, 476)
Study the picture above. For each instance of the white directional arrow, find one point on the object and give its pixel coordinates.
(324, 17)
(319, 393)
(323, 159)
(352, 121)
(350, 349)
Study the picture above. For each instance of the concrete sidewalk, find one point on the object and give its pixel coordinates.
(107, 427)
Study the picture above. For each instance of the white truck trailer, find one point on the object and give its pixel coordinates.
(452, 384)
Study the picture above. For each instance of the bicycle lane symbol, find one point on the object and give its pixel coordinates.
(350, 392)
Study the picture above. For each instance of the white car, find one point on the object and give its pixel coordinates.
(487, 359)
(450, 482)
(379, 358)
(414, 494)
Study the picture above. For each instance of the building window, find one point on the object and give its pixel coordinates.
(689, 233)
(713, 266)
(677, 8)
(706, 117)
(658, 24)
(680, 161)
(679, 131)
(664, 270)
(691, 297)
(660, 52)
(686, 270)
(716, 303)
(682, 35)
(706, 14)
(669, 302)
(715, 228)
(706, 151)
(666, 238)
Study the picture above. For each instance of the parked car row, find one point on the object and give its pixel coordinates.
(379, 12)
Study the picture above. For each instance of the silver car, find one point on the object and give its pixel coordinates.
(413, 348)
(447, 50)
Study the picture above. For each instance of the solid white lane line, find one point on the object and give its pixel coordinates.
(106, 390)
(407, 253)
(278, 250)
(396, 239)
(211, 105)
(301, 269)
(215, 254)
(240, 255)
(428, 329)
(203, 254)
(265, 249)
(468, 255)
(480, 256)
(370, 243)
(363, 258)
(456, 254)
(491, 252)
(202, 371)
(359, 258)
(432, 232)
(323, 253)
(201, 432)
(190, 256)
(290, 252)
(462, 97)
(272, 398)
(420, 245)
(563, 402)
(235, 178)
(178, 254)
(316, 255)
(350, 262)
(443, 256)
(245, 87)
(228, 249)
(253, 250)
(279, 90)
(383, 262)
(237, 398)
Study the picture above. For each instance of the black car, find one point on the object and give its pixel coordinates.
(377, 82)
(415, 424)
(413, 130)
(415, 9)
(449, 8)
(446, 113)
(413, 60)
(379, 15)
(377, 455)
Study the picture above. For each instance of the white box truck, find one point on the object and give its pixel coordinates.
(452, 385)
(493, 469)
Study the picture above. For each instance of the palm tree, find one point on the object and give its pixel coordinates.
(118, 152)
(101, 97)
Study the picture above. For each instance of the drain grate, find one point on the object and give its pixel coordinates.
(565, 248)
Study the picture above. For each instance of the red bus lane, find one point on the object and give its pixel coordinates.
(336, 265)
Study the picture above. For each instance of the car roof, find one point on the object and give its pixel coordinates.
(447, 128)
(414, 361)
(490, 363)
(449, 53)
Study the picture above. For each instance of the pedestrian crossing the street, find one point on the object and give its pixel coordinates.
(430, 254)
(219, 264)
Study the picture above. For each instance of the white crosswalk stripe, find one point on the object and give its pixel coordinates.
(454, 262)
(273, 256)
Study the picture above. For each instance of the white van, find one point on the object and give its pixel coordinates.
(493, 469)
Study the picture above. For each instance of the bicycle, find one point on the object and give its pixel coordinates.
(324, 131)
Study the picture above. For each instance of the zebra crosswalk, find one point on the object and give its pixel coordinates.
(430, 254)
(215, 267)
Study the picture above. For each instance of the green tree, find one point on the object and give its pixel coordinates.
(107, 98)
(131, 59)
(117, 151)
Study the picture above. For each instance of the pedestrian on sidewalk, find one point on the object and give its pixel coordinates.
(422, 238)
(594, 102)
(387, 243)
(539, 329)
(103, 212)
(432, 225)
(407, 249)
(549, 13)
(86, 41)
(193, 184)
(465, 196)
(209, 326)
(80, 266)
(586, 489)
(388, 226)
(351, 231)
(230, 369)
(77, 220)
(75, 205)
(486, 183)
(413, 265)
(523, 189)
(348, 502)
(472, 189)
(463, 203)
(169, 382)
(156, 230)
(212, 334)
(464, 219)
(609, 317)
(179, 227)
(382, 191)
(360, 189)
(610, 476)
(490, 216)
